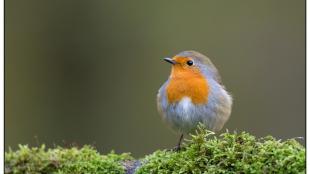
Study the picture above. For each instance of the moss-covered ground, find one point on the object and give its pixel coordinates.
(203, 153)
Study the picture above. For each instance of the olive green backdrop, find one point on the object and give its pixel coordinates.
(88, 71)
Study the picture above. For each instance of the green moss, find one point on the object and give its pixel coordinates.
(230, 153)
(204, 153)
(63, 161)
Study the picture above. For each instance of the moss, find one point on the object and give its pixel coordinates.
(204, 153)
(63, 161)
(230, 153)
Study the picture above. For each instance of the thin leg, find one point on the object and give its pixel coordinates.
(178, 147)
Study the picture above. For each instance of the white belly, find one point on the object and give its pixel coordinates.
(184, 115)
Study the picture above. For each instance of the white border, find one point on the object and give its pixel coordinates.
(308, 81)
(2, 86)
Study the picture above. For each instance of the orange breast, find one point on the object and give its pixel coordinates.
(187, 84)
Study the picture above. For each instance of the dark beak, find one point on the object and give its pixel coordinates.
(169, 60)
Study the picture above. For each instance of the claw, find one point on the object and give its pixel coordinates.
(178, 147)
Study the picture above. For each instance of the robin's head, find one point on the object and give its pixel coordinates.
(193, 63)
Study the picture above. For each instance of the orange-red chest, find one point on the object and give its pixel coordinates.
(187, 84)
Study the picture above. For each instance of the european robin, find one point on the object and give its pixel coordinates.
(193, 94)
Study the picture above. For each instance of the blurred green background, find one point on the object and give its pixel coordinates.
(88, 71)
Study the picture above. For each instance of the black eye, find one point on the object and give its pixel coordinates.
(190, 63)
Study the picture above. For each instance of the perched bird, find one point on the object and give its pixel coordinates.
(193, 94)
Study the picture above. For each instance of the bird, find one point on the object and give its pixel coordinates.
(193, 94)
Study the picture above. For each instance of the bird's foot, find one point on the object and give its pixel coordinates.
(177, 149)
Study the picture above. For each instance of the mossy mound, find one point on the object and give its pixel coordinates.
(204, 153)
(85, 160)
(229, 153)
